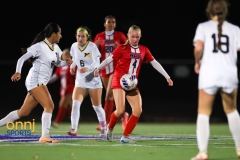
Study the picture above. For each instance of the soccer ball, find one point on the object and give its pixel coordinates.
(128, 82)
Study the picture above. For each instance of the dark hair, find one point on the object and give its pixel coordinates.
(109, 16)
(88, 32)
(46, 33)
(218, 8)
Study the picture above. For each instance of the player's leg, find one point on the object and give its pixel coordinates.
(229, 101)
(69, 105)
(110, 105)
(42, 95)
(109, 102)
(78, 97)
(119, 96)
(135, 101)
(28, 105)
(62, 109)
(205, 103)
(96, 99)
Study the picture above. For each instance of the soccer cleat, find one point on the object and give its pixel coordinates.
(126, 139)
(54, 125)
(109, 135)
(72, 132)
(124, 120)
(238, 152)
(47, 140)
(98, 128)
(201, 156)
(103, 133)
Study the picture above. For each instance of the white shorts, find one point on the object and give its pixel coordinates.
(93, 84)
(36, 78)
(214, 90)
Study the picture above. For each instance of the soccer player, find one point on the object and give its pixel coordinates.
(66, 88)
(107, 41)
(45, 54)
(216, 43)
(130, 57)
(86, 57)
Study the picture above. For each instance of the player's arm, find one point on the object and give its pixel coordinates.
(198, 52)
(104, 63)
(161, 70)
(53, 78)
(17, 75)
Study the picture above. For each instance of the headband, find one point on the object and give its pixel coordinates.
(83, 30)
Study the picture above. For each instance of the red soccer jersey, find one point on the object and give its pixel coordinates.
(106, 47)
(67, 80)
(129, 60)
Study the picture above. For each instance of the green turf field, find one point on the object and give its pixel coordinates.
(174, 142)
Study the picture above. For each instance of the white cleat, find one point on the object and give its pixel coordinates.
(103, 133)
(109, 135)
(200, 156)
(238, 152)
(126, 139)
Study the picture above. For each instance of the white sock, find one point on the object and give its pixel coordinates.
(203, 132)
(234, 126)
(75, 115)
(101, 116)
(46, 123)
(11, 117)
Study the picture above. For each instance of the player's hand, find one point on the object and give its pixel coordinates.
(115, 45)
(170, 82)
(69, 61)
(73, 71)
(98, 42)
(16, 77)
(197, 67)
(83, 70)
(96, 73)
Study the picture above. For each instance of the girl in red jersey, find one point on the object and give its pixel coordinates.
(130, 57)
(107, 41)
(66, 89)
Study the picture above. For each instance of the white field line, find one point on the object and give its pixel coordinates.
(113, 145)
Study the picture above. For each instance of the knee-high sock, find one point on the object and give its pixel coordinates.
(203, 132)
(234, 126)
(108, 108)
(113, 121)
(131, 124)
(46, 123)
(75, 116)
(60, 115)
(11, 117)
(101, 116)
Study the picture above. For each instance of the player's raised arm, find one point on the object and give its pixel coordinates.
(161, 70)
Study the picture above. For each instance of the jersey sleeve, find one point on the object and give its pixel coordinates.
(117, 52)
(72, 55)
(96, 52)
(238, 38)
(35, 50)
(148, 57)
(59, 51)
(199, 34)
